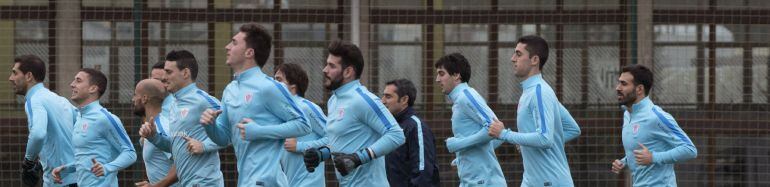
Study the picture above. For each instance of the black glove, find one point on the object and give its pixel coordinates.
(346, 163)
(31, 172)
(314, 156)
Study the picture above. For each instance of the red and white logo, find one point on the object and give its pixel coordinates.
(636, 128)
(248, 97)
(184, 112)
(85, 127)
(340, 113)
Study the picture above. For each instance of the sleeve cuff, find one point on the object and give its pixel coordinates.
(301, 147)
(108, 169)
(365, 155)
(153, 140)
(507, 135)
(207, 148)
(325, 153)
(68, 168)
(251, 131)
(450, 144)
(656, 157)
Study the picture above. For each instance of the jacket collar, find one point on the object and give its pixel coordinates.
(532, 81)
(458, 90)
(255, 71)
(347, 87)
(34, 90)
(95, 105)
(641, 105)
(187, 89)
(407, 113)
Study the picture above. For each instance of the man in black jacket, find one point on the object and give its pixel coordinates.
(414, 163)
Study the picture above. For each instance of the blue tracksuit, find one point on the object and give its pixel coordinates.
(168, 103)
(657, 130)
(99, 134)
(540, 122)
(156, 161)
(358, 121)
(293, 162)
(477, 164)
(569, 125)
(184, 120)
(414, 163)
(50, 118)
(276, 116)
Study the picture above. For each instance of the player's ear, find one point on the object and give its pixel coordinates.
(456, 77)
(28, 77)
(535, 60)
(404, 100)
(145, 99)
(348, 72)
(93, 89)
(249, 53)
(292, 87)
(186, 73)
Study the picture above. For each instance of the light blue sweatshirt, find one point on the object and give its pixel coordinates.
(156, 161)
(541, 134)
(657, 130)
(476, 161)
(293, 162)
(275, 115)
(100, 135)
(202, 169)
(358, 121)
(50, 119)
(569, 125)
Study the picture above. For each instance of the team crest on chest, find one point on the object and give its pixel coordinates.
(184, 112)
(340, 113)
(85, 127)
(248, 97)
(636, 128)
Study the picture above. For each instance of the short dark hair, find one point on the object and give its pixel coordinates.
(159, 65)
(97, 78)
(536, 46)
(31, 63)
(184, 59)
(258, 39)
(405, 87)
(455, 63)
(295, 75)
(642, 75)
(350, 54)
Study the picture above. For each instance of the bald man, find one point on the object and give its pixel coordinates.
(148, 98)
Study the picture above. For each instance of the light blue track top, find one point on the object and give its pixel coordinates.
(543, 129)
(203, 169)
(357, 120)
(156, 161)
(474, 149)
(658, 131)
(100, 135)
(50, 119)
(293, 162)
(275, 115)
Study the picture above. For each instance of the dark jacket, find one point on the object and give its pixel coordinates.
(404, 164)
